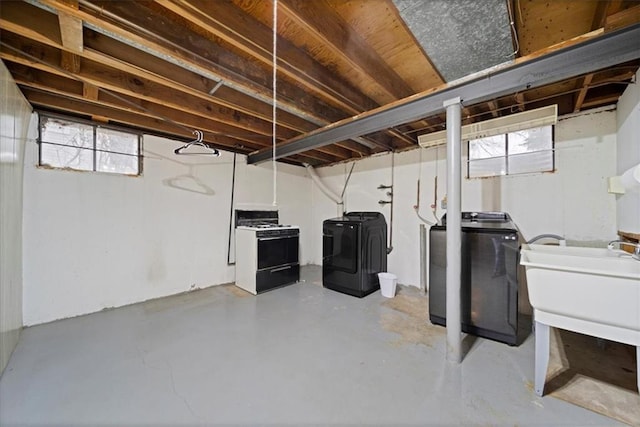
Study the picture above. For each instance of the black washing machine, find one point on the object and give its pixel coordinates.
(489, 282)
(354, 251)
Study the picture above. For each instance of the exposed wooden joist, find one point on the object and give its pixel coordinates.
(623, 18)
(131, 61)
(255, 39)
(140, 87)
(329, 27)
(71, 89)
(126, 21)
(520, 101)
(493, 107)
(586, 81)
(581, 55)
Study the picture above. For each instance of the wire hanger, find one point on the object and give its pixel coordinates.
(210, 151)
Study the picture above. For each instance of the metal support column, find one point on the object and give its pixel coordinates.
(454, 230)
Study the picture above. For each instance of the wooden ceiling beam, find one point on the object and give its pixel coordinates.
(493, 107)
(319, 19)
(601, 100)
(105, 50)
(128, 20)
(580, 96)
(211, 62)
(622, 19)
(128, 118)
(255, 39)
(142, 88)
(555, 64)
(66, 87)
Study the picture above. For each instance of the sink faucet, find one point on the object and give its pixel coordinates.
(619, 243)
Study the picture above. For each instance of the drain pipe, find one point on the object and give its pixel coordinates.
(390, 203)
(321, 185)
(454, 230)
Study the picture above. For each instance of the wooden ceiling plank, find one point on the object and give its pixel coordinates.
(622, 19)
(63, 86)
(139, 87)
(102, 49)
(228, 22)
(532, 71)
(327, 26)
(66, 88)
(601, 100)
(44, 27)
(355, 147)
(195, 59)
(127, 118)
(292, 100)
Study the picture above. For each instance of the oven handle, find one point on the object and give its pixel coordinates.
(275, 270)
(264, 239)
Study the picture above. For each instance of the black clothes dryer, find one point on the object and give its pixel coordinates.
(354, 251)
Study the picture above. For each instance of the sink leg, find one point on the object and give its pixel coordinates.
(638, 366)
(542, 356)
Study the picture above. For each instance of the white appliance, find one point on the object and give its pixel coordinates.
(267, 253)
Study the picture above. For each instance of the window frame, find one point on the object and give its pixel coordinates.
(507, 155)
(44, 115)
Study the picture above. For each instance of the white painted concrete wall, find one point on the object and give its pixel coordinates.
(94, 241)
(572, 202)
(628, 205)
(15, 113)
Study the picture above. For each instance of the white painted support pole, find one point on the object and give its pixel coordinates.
(454, 230)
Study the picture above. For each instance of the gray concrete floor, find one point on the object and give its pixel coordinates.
(301, 354)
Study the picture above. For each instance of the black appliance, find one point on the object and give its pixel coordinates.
(489, 294)
(354, 251)
(266, 251)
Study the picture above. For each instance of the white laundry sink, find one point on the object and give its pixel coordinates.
(585, 290)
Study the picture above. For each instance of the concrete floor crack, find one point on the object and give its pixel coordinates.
(175, 391)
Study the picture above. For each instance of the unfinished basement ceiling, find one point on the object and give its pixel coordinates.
(461, 37)
(169, 67)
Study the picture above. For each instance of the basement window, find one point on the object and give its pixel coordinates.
(524, 151)
(72, 144)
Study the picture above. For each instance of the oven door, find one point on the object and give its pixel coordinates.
(277, 251)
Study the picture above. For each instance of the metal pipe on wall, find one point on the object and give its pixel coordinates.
(423, 257)
(454, 230)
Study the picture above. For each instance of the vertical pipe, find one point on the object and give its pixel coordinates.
(454, 230)
(423, 258)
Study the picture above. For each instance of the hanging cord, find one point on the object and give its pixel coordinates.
(233, 187)
(273, 120)
(390, 248)
(512, 27)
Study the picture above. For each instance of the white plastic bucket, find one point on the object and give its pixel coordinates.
(387, 284)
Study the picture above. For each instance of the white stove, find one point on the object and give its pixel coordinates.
(266, 252)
